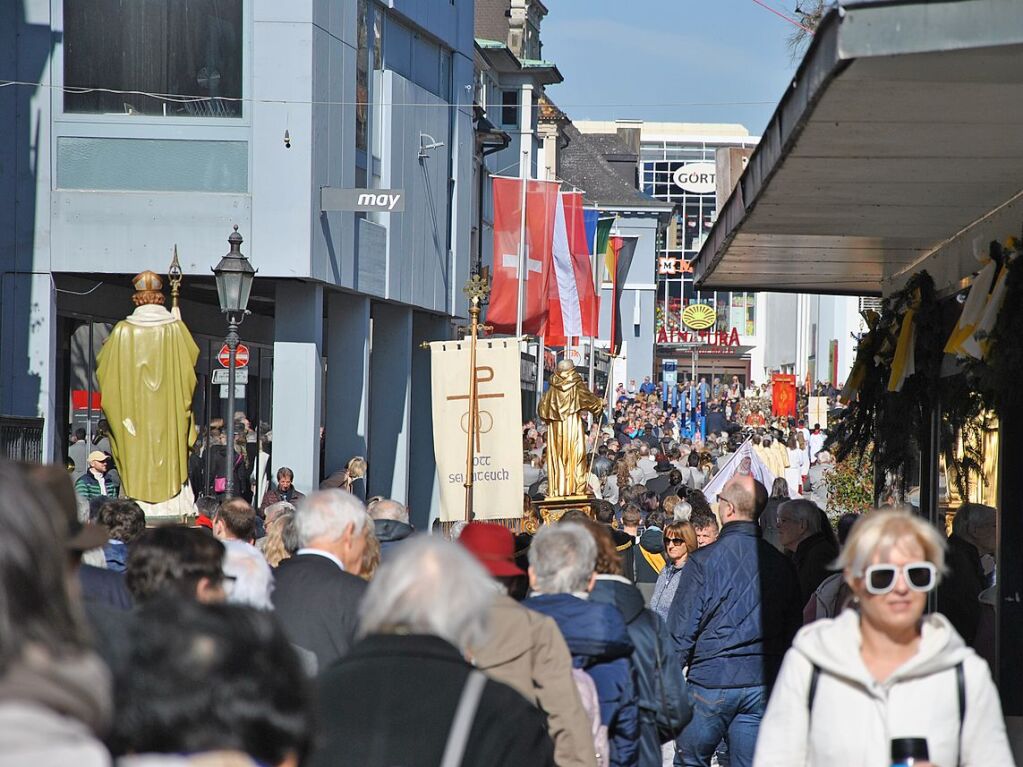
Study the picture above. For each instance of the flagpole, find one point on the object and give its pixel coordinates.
(526, 138)
(596, 292)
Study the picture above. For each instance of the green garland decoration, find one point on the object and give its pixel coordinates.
(892, 421)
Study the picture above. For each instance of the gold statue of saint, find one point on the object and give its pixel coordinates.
(562, 407)
(146, 372)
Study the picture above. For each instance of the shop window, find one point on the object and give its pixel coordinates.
(190, 48)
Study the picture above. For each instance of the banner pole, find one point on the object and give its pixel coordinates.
(476, 288)
(600, 421)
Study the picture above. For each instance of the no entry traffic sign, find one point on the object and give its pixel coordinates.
(241, 356)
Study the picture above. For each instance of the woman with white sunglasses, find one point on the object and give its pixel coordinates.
(882, 669)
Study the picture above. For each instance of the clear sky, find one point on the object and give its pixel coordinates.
(645, 59)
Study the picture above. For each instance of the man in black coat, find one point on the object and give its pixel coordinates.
(814, 547)
(318, 590)
(973, 534)
(393, 699)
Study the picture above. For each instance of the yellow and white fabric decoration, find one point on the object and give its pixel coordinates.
(973, 309)
(904, 361)
(978, 343)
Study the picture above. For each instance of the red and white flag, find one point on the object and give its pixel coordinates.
(541, 203)
(573, 304)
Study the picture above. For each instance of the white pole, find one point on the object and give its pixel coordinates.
(525, 161)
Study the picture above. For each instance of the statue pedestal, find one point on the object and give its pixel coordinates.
(551, 508)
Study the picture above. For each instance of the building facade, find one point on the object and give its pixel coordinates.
(170, 124)
(677, 166)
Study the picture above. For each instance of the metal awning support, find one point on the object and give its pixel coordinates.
(897, 147)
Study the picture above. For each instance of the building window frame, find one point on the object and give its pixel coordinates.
(238, 126)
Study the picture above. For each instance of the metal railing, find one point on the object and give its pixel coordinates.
(21, 439)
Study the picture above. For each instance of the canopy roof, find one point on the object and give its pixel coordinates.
(898, 147)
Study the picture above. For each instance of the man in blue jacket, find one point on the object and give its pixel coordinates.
(734, 616)
(561, 573)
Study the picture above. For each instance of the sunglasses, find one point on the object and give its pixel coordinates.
(675, 541)
(919, 576)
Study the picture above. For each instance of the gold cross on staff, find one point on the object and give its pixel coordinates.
(487, 371)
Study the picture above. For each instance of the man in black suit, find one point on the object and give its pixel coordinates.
(318, 589)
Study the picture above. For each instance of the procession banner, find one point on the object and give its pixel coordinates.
(744, 461)
(497, 473)
(783, 395)
(817, 412)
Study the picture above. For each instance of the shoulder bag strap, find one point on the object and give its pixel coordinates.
(458, 735)
(815, 676)
(961, 691)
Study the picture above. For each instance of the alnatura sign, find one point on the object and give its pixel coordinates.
(362, 200)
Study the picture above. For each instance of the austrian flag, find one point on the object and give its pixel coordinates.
(572, 301)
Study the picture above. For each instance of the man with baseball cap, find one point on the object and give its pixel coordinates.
(526, 650)
(95, 481)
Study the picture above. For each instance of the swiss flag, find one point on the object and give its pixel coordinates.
(573, 304)
(541, 203)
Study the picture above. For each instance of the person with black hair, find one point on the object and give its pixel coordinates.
(210, 684)
(55, 700)
(125, 521)
(181, 562)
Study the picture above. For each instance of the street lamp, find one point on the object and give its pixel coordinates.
(234, 275)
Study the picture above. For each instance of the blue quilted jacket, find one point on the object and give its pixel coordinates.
(599, 642)
(736, 610)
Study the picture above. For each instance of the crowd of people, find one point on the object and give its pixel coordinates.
(665, 628)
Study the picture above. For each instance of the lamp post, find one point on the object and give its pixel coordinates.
(234, 275)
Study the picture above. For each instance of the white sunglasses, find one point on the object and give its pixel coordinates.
(919, 576)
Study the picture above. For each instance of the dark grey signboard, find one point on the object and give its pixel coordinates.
(368, 200)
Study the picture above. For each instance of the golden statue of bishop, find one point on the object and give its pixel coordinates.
(146, 373)
(562, 407)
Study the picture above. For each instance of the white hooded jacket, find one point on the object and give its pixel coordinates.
(855, 717)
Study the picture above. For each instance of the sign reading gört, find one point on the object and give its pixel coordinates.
(362, 200)
(696, 177)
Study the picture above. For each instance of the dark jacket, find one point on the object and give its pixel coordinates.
(318, 604)
(660, 686)
(106, 586)
(715, 421)
(273, 495)
(812, 557)
(648, 557)
(88, 487)
(389, 532)
(959, 592)
(625, 545)
(599, 642)
(391, 702)
(736, 610)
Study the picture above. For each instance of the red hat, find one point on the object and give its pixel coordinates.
(203, 521)
(493, 546)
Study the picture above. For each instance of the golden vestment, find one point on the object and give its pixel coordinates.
(561, 407)
(146, 373)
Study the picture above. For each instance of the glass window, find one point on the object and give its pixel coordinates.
(184, 47)
(362, 78)
(509, 107)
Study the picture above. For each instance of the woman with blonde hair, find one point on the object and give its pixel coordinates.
(355, 477)
(884, 665)
(679, 543)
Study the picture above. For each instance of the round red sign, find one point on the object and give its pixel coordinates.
(241, 356)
